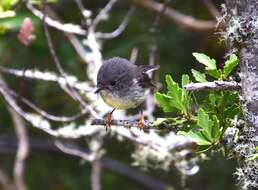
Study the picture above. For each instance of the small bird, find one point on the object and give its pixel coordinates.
(123, 85)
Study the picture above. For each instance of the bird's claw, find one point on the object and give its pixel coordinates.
(108, 120)
(141, 122)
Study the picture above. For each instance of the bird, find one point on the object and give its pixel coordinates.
(123, 85)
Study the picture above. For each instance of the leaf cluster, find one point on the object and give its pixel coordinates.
(204, 120)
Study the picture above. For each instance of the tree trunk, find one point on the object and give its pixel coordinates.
(242, 34)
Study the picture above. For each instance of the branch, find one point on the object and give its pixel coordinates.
(96, 175)
(129, 129)
(35, 120)
(134, 54)
(103, 14)
(151, 140)
(8, 145)
(23, 146)
(93, 157)
(49, 76)
(113, 165)
(22, 151)
(43, 113)
(78, 47)
(146, 181)
(132, 123)
(68, 28)
(183, 21)
(120, 28)
(5, 182)
(74, 150)
(70, 90)
(215, 85)
(153, 53)
(84, 12)
(212, 8)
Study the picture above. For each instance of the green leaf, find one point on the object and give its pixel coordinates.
(212, 99)
(199, 77)
(176, 98)
(164, 102)
(159, 121)
(172, 121)
(196, 137)
(205, 123)
(206, 60)
(177, 121)
(6, 4)
(185, 80)
(232, 111)
(215, 73)
(171, 85)
(39, 2)
(230, 65)
(179, 97)
(216, 133)
(254, 157)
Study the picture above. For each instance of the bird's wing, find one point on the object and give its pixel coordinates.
(143, 78)
(148, 68)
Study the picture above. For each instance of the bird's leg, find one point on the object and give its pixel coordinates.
(108, 120)
(141, 122)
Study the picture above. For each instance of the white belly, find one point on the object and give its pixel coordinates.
(130, 99)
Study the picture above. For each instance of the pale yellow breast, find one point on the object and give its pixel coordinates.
(132, 100)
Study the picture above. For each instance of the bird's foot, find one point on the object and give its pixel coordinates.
(108, 120)
(141, 122)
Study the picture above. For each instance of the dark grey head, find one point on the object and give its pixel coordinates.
(118, 73)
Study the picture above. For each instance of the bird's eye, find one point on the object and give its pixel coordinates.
(113, 83)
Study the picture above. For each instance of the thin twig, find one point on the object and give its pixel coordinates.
(131, 123)
(44, 113)
(148, 182)
(119, 29)
(129, 129)
(48, 76)
(68, 28)
(152, 140)
(70, 90)
(93, 157)
(75, 151)
(125, 123)
(183, 21)
(77, 45)
(134, 55)
(5, 182)
(23, 146)
(35, 121)
(103, 14)
(215, 85)
(95, 175)
(22, 151)
(153, 52)
(212, 8)
(8, 145)
(84, 12)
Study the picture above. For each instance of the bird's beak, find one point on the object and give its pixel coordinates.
(98, 90)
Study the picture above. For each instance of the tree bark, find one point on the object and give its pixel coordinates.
(242, 35)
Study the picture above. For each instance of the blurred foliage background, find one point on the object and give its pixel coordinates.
(52, 170)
